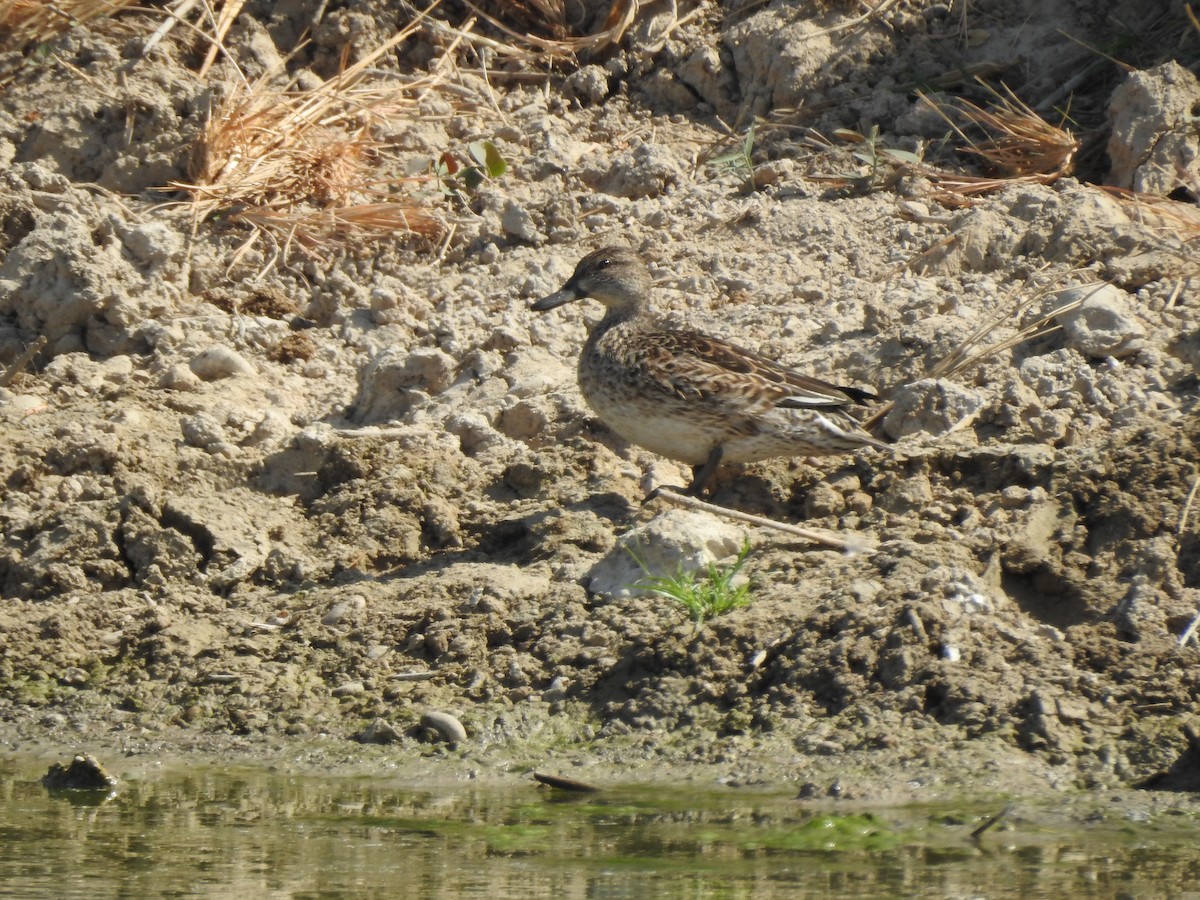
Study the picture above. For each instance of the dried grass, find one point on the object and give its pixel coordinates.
(519, 20)
(973, 351)
(300, 167)
(1022, 148)
(25, 22)
(1170, 218)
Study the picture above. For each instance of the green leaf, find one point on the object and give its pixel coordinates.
(488, 157)
(748, 146)
(902, 156)
(729, 159)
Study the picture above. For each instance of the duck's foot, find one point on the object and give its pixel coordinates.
(702, 475)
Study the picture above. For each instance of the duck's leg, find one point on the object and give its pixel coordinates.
(702, 475)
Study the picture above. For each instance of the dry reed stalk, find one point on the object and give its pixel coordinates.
(859, 543)
(966, 356)
(301, 167)
(969, 353)
(25, 22)
(221, 25)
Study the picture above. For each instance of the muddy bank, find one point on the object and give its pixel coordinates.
(261, 498)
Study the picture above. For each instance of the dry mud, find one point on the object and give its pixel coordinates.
(299, 503)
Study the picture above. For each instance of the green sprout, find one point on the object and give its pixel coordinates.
(740, 161)
(879, 160)
(705, 594)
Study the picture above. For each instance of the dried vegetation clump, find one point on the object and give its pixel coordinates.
(25, 22)
(1020, 146)
(301, 166)
(542, 29)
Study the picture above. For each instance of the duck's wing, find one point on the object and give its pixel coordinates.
(694, 365)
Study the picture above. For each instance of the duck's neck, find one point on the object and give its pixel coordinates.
(629, 315)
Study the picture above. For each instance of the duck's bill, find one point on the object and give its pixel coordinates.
(558, 298)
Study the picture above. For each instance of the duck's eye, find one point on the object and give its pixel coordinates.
(603, 262)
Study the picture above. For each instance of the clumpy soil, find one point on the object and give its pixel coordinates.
(289, 502)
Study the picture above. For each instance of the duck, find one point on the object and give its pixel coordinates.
(692, 397)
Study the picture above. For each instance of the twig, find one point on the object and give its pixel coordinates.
(174, 17)
(968, 353)
(564, 784)
(992, 821)
(19, 364)
(1190, 630)
(1051, 100)
(873, 11)
(1125, 67)
(1187, 509)
(854, 545)
(1184, 514)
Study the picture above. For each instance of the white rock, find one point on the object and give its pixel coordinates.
(932, 406)
(474, 432)
(219, 361)
(1102, 325)
(446, 725)
(117, 369)
(1153, 145)
(271, 430)
(396, 381)
(24, 404)
(523, 419)
(677, 539)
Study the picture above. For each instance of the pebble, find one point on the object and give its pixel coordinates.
(203, 431)
(343, 608)
(26, 403)
(179, 378)
(380, 731)
(349, 689)
(518, 223)
(446, 725)
(932, 406)
(556, 691)
(672, 541)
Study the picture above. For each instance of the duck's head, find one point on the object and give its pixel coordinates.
(616, 276)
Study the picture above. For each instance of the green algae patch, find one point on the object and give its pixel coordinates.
(829, 832)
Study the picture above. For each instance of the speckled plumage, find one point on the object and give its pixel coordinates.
(691, 397)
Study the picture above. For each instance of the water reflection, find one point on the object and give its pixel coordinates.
(219, 833)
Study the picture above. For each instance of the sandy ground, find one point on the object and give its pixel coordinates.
(290, 504)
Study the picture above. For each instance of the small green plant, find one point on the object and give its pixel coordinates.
(455, 178)
(740, 161)
(879, 160)
(705, 594)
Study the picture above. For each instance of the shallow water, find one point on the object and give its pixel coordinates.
(213, 832)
